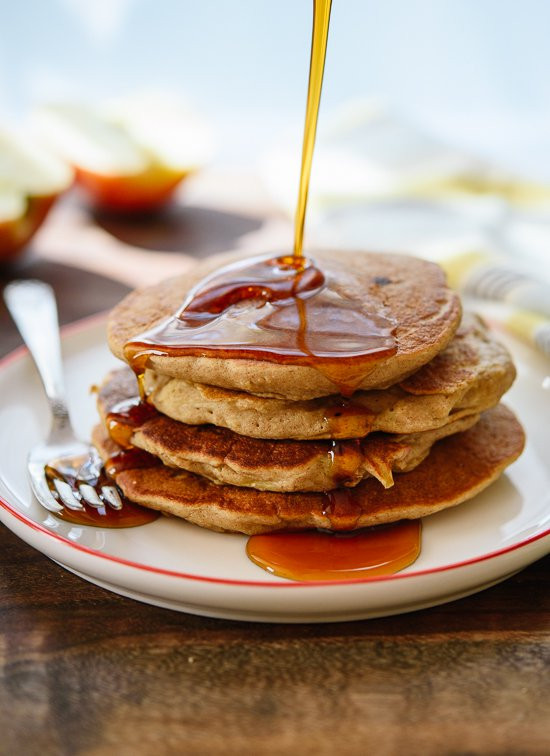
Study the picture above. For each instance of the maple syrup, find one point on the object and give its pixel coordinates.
(121, 422)
(123, 419)
(319, 38)
(346, 418)
(128, 516)
(314, 555)
(277, 310)
(130, 459)
(345, 458)
(341, 510)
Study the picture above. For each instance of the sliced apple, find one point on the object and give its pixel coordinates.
(140, 192)
(129, 155)
(30, 182)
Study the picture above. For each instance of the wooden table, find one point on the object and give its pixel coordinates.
(84, 671)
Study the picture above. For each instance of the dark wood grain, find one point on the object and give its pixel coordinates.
(83, 671)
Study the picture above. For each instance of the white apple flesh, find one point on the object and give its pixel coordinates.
(30, 182)
(130, 155)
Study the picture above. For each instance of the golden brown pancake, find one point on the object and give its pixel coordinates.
(458, 467)
(410, 292)
(226, 457)
(468, 377)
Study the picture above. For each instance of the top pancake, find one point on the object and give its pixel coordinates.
(411, 293)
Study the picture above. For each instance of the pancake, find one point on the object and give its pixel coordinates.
(468, 377)
(409, 292)
(226, 457)
(457, 468)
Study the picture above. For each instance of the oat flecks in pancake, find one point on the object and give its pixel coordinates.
(457, 468)
(229, 458)
(469, 376)
(416, 298)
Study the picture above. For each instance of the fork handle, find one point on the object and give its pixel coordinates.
(32, 306)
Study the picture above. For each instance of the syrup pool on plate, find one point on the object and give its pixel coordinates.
(314, 555)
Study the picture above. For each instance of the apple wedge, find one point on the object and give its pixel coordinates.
(129, 155)
(30, 182)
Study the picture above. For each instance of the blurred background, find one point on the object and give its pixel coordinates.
(474, 72)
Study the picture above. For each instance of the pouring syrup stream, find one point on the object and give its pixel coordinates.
(321, 21)
(316, 555)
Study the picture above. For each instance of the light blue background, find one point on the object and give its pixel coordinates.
(474, 71)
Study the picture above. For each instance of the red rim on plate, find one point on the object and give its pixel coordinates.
(81, 325)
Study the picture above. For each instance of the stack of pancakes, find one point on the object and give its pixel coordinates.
(253, 445)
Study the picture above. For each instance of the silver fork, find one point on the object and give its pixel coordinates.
(72, 466)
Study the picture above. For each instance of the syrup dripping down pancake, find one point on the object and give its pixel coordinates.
(458, 468)
(226, 457)
(468, 377)
(410, 293)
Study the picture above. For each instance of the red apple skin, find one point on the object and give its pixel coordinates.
(130, 194)
(16, 233)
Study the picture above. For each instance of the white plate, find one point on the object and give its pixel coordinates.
(180, 566)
